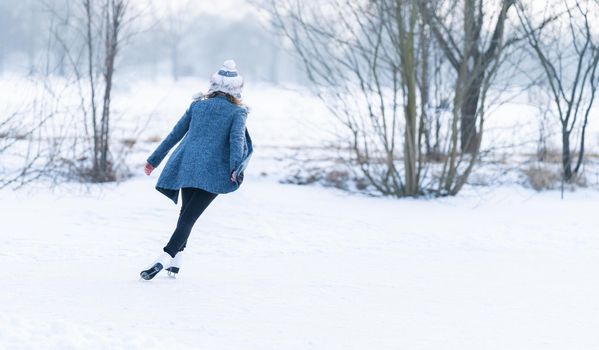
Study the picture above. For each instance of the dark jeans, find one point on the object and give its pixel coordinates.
(194, 202)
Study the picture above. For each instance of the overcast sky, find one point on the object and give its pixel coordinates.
(228, 9)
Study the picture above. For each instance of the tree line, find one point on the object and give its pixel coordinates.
(412, 80)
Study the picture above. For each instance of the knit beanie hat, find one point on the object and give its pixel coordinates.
(227, 80)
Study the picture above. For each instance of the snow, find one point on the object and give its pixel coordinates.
(277, 266)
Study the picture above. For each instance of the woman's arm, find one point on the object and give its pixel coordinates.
(236, 141)
(173, 137)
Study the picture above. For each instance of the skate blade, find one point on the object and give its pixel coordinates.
(172, 272)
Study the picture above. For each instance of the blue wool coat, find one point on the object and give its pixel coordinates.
(215, 143)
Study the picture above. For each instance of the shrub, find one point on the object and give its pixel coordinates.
(542, 178)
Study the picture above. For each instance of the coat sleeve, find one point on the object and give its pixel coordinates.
(171, 139)
(237, 140)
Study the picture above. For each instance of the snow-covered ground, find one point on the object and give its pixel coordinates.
(277, 266)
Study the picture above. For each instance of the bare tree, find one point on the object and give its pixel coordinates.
(568, 53)
(25, 154)
(89, 35)
(473, 58)
(174, 23)
(380, 72)
(544, 123)
(114, 15)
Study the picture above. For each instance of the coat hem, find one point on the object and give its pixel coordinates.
(173, 193)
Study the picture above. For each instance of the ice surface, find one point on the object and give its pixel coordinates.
(277, 266)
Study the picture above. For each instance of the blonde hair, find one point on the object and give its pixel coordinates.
(234, 100)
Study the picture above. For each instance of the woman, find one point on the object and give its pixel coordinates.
(209, 161)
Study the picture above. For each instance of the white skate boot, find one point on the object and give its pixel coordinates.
(175, 265)
(163, 261)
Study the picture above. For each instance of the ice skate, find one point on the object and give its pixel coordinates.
(175, 265)
(158, 265)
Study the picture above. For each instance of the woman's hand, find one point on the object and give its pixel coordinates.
(148, 168)
(233, 176)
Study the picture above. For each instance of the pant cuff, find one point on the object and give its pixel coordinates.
(170, 252)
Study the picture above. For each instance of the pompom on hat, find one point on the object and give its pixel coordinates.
(227, 80)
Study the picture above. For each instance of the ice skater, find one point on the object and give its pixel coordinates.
(209, 161)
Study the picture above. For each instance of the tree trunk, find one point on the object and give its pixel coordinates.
(274, 65)
(566, 156)
(468, 133)
(175, 61)
(425, 119)
(89, 38)
(410, 112)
